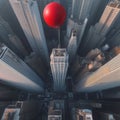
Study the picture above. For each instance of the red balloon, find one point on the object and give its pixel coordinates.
(54, 14)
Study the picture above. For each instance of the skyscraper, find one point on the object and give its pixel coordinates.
(14, 72)
(9, 38)
(107, 76)
(72, 46)
(59, 66)
(28, 15)
(81, 9)
(97, 33)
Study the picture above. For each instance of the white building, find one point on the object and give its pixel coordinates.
(59, 67)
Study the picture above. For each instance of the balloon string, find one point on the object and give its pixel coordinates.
(59, 44)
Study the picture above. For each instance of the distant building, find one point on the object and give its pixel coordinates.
(81, 114)
(55, 111)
